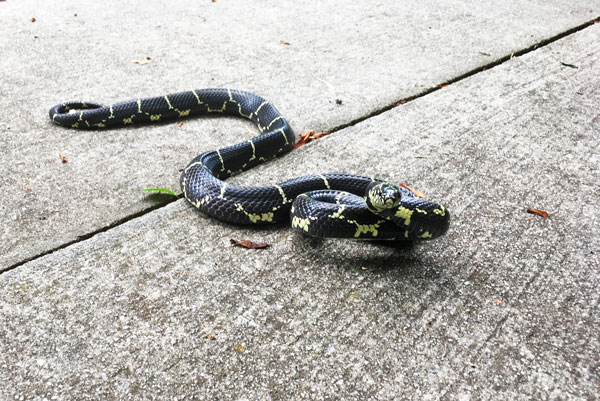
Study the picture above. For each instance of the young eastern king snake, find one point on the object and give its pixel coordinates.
(324, 205)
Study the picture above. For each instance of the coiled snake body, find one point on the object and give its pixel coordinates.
(324, 205)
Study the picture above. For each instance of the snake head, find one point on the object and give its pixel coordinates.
(381, 196)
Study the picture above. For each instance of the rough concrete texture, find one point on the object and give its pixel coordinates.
(503, 307)
(367, 54)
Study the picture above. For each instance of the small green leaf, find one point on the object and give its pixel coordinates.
(161, 190)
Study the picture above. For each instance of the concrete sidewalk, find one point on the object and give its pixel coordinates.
(505, 306)
(370, 56)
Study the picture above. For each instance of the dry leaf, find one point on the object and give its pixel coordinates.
(249, 244)
(485, 54)
(309, 136)
(283, 42)
(414, 191)
(141, 62)
(180, 124)
(62, 158)
(539, 212)
(498, 302)
(32, 19)
(304, 139)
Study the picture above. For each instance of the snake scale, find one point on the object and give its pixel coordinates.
(322, 205)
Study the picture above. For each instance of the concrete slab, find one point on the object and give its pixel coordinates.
(504, 307)
(368, 55)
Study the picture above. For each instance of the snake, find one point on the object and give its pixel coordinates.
(336, 205)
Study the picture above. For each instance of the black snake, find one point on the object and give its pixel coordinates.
(323, 205)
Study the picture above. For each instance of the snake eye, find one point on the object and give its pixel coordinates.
(382, 196)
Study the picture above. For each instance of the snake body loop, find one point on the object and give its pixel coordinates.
(324, 205)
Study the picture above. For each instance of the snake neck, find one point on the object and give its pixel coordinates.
(420, 218)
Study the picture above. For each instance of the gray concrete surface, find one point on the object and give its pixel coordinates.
(503, 307)
(367, 54)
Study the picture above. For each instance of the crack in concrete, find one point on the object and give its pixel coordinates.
(90, 234)
(470, 73)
